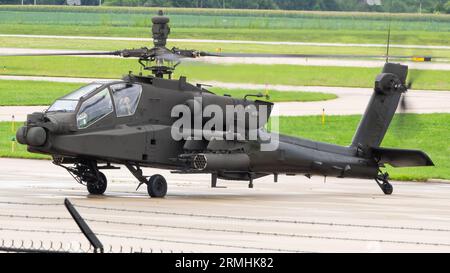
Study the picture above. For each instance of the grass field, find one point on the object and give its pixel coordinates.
(219, 18)
(44, 93)
(277, 96)
(262, 74)
(251, 21)
(295, 35)
(234, 24)
(32, 92)
(84, 44)
(224, 12)
(10, 148)
(429, 133)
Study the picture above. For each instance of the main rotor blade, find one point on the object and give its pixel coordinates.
(334, 56)
(113, 53)
(126, 53)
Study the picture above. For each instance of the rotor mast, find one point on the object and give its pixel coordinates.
(160, 33)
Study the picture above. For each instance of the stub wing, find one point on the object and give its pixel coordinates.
(402, 157)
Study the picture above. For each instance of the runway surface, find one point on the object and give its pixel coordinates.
(293, 215)
(340, 62)
(350, 100)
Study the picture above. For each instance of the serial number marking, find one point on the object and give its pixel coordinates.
(246, 263)
(228, 262)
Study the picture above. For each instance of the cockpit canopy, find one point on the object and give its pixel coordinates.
(94, 108)
(69, 102)
(126, 98)
(96, 100)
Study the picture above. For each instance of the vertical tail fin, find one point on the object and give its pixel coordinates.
(389, 86)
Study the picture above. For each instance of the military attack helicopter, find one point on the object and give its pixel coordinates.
(130, 122)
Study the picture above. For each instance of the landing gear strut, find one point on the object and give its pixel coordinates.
(87, 173)
(383, 181)
(156, 184)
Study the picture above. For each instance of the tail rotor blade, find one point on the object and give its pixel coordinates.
(403, 103)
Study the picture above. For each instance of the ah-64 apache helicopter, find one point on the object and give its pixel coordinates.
(129, 122)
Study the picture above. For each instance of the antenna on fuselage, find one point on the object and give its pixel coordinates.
(388, 46)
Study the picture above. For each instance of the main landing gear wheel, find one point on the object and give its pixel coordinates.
(97, 186)
(385, 186)
(157, 186)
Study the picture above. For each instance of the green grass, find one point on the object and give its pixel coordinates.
(28, 93)
(346, 27)
(16, 93)
(224, 12)
(7, 134)
(277, 96)
(82, 44)
(294, 35)
(427, 132)
(262, 74)
(123, 19)
(221, 19)
(307, 75)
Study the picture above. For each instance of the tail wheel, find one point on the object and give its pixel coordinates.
(157, 186)
(97, 186)
(383, 181)
(387, 188)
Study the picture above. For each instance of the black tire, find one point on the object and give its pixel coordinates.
(387, 188)
(97, 187)
(157, 186)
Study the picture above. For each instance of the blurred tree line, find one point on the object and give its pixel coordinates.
(411, 6)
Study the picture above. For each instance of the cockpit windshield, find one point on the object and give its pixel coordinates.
(69, 102)
(94, 109)
(81, 92)
(63, 106)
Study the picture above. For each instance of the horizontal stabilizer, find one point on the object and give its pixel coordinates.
(401, 157)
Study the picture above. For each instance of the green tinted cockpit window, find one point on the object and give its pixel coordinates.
(69, 102)
(94, 108)
(63, 106)
(81, 92)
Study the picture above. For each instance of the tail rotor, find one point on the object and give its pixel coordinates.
(404, 104)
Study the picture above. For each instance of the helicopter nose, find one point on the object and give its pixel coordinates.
(33, 136)
(20, 135)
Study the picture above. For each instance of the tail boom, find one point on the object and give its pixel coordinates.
(389, 86)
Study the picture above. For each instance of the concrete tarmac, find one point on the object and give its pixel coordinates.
(294, 215)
